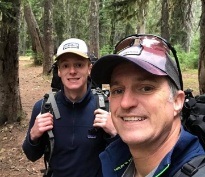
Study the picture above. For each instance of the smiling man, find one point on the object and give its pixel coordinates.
(81, 132)
(146, 99)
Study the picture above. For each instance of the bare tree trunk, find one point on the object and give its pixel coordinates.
(73, 15)
(48, 36)
(201, 74)
(181, 19)
(36, 38)
(60, 22)
(165, 20)
(10, 104)
(113, 26)
(141, 22)
(94, 28)
(23, 35)
(141, 15)
(187, 24)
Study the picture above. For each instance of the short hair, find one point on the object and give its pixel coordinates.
(173, 88)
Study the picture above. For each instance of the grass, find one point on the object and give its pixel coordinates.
(190, 78)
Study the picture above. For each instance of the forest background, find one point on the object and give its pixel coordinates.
(35, 28)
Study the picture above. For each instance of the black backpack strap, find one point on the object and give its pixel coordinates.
(49, 105)
(193, 168)
(102, 99)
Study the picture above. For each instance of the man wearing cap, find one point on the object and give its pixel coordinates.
(76, 151)
(146, 99)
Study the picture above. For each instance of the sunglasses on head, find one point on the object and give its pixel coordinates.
(150, 42)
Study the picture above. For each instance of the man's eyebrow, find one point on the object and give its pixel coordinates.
(152, 78)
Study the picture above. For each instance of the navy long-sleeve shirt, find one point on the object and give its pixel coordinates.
(76, 154)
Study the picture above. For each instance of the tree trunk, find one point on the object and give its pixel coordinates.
(140, 29)
(181, 19)
(187, 21)
(201, 74)
(112, 26)
(165, 20)
(36, 38)
(48, 36)
(22, 36)
(141, 15)
(73, 18)
(94, 28)
(10, 104)
(60, 22)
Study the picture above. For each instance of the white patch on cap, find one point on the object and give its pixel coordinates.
(71, 45)
(135, 50)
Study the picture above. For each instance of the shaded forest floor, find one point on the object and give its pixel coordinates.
(32, 88)
(13, 162)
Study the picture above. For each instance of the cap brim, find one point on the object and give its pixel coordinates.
(102, 69)
(74, 52)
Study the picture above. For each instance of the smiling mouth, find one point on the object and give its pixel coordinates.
(73, 79)
(133, 118)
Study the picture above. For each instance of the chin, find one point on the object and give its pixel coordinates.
(73, 86)
(130, 139)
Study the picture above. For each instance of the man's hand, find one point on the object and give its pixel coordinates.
(43, 123)
(103, 120)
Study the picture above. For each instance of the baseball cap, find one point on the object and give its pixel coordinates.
(150, 52)
(73, 45)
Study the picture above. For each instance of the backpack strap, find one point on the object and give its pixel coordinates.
(49, 105)
(102, 99)
(195, 168)
(52, 100)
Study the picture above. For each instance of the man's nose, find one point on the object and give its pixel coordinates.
(128, 100)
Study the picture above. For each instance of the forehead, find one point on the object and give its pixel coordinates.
(70, 57)
(131, 71)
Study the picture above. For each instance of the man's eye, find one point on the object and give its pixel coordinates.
(65, 66)
(147, 89)
(78, 65)
(116, 92)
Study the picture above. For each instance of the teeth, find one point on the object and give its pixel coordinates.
(133, 118)
(73, 80)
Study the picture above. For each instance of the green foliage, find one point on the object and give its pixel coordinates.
(153, 24)
(37, 8)
(118, 18)
(38, 58)
(105, 50)
(5, 8)
(29, 53)
(189, 60)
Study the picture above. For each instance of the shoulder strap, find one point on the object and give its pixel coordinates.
(49, 105)
(194, 168)
(52, 100)
(102, 99)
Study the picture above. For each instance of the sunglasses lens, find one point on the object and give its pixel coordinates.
(128, 42)
(146, 41)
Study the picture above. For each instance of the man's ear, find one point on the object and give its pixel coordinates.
(59, 74)
(89, 70)
(178, 102)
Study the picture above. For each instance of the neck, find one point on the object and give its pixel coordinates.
(75, 95)
(147, 158)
